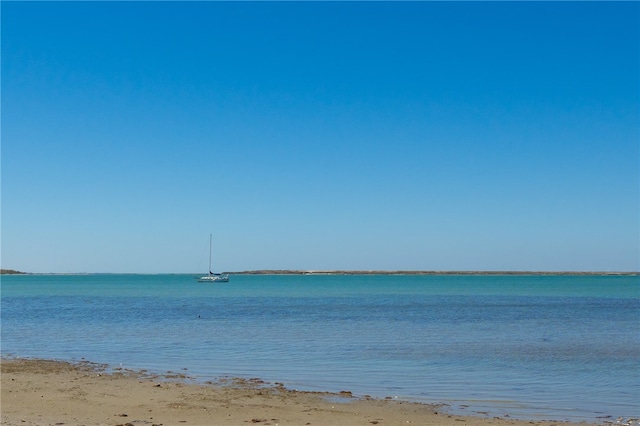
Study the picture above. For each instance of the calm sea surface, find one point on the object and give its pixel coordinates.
(554, 347)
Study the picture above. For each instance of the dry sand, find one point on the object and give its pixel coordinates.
(42, 392)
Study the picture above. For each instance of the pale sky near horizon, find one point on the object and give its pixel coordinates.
(324, 135)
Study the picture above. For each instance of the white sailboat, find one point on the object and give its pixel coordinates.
(213, 278)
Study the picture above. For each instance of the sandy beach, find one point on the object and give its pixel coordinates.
(44, 392)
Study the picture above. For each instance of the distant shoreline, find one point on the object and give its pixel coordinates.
(382, 272)
(11, 272)
(354, 272)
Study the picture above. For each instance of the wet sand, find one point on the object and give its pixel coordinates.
(44, 392)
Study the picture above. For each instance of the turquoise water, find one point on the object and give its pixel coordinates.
(533, 347)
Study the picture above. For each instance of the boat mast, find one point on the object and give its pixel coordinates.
(209, 254)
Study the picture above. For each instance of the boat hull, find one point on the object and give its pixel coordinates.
(214, 279)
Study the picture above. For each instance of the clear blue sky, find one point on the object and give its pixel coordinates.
(418, 135)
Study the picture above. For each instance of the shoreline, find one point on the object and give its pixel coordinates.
(40, 392)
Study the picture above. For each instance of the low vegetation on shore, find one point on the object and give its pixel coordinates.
(10, 272)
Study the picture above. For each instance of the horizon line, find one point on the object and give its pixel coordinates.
(343, 272)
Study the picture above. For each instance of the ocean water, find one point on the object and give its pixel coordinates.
(532, 347)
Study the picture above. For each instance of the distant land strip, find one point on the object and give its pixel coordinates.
(366, 272)
(11, 272)
(378, 272)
